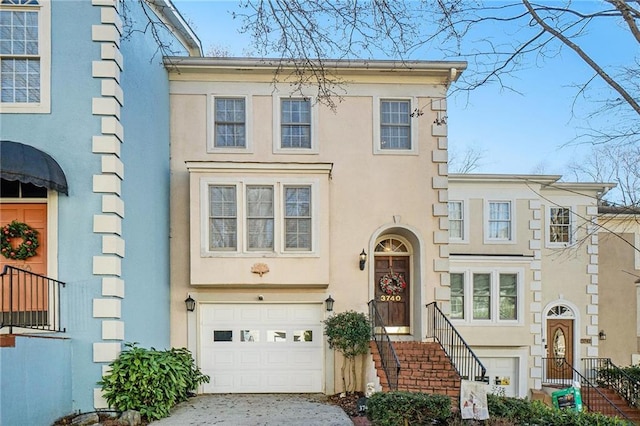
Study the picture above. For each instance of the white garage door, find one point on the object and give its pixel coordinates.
(503, 375)
(258, 348)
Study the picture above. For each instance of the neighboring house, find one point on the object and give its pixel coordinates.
(275, 197)
(524, 273)
(619, 281)
(84, 125)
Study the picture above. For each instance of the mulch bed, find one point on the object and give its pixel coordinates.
(349, 403)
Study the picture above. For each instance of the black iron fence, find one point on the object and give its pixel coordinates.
(606, 374)
(466, 363)
(29, 300)
(558, 372)
(388, 356)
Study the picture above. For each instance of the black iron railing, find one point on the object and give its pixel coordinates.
(29, 300)
(608, 375)
(558, 372)
(466, 363)
(388, 356)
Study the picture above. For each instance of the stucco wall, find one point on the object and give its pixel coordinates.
(35, 381)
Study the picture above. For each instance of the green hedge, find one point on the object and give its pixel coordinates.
(409, 408)
(150, 381)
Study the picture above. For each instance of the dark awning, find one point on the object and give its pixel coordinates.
(27, 164)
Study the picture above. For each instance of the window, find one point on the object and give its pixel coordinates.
(395, 125)
(494, 296)
(559, 225)
(295, 123)
(223, 226)
(456, 220)
(508, 297)
(24, 56)
(457, 296)
(298, 218)
(500, 220)
(260, 217)
(230, 123)
(481, 296)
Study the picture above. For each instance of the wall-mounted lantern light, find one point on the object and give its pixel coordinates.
(191, 303)
(602, 335)
(329, 303)
(363, 259)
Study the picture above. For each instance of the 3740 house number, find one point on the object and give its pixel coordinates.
(390, 298)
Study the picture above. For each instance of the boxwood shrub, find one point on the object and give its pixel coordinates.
(412, 408)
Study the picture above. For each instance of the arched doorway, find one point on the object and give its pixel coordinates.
(392, 283)
(560, 342)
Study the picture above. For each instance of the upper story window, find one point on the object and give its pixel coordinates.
(230, 122)
(499, 224)
(395, 124)
(486, 296)
(560, 225)
(274, 217)
(24, 56)
(295, 122)
(456, 220)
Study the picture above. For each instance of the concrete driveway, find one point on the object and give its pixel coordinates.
(256, 409)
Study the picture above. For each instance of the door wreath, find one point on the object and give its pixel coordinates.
(29, 238)
(392, 283)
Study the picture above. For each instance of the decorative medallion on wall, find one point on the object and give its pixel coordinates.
(260, 268)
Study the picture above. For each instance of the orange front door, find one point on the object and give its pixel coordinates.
(31, 295)
(560, 348)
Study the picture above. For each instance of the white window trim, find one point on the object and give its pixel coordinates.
(512, 217)
(572, 227)
(278, 211)
(465, 220)
(248, 128)
(44, 47)
(277, 131)
(413, 101)
(495, 296)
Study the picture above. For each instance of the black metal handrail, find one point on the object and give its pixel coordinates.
(467, 364)
(29, 300)
(557, 371)
(606, 374)
(388, 356)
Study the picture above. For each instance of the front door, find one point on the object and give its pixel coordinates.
(559, 348)
(23, 297)
(392, 292)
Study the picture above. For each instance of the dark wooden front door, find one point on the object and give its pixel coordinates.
(394, 303)
(559, 346)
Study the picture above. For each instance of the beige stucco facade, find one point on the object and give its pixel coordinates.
(361, 193)
(556, 280)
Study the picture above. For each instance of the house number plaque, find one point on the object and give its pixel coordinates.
(390, 298)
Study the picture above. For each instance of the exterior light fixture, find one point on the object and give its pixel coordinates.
(191, 304)
(329, 302)
(363, 259)
(602, 335)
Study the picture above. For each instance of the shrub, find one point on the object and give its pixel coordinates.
(399, 408)
(349, 333)
(151, 381)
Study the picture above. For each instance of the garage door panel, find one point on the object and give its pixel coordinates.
(273, 348)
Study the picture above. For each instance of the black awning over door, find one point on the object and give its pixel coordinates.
(27, 164)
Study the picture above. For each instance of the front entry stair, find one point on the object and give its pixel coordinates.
(425, 368)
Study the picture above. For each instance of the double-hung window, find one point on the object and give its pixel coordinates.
(24, 56)
(295, 123)
(456, 220)
(260, 217)
(499, 226)
(485, 296)
(230, 122)
(559, 225)
(223, 218)
(297, 217)
(395, 125)
(270, 217)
